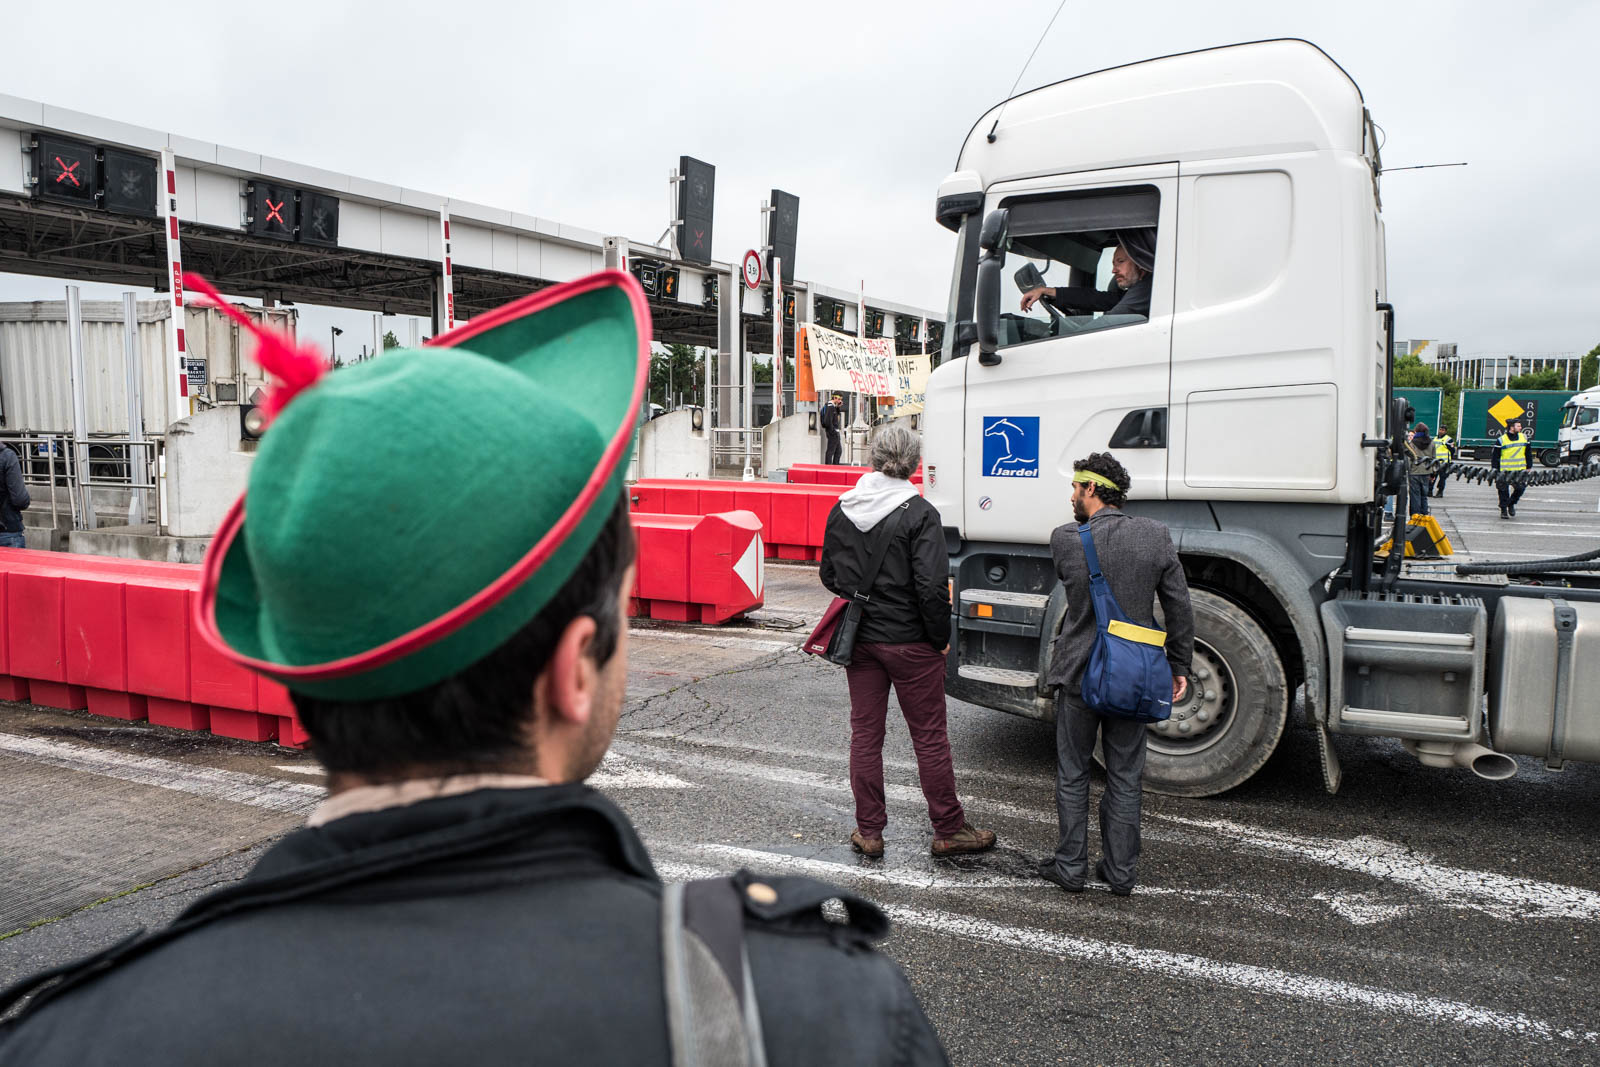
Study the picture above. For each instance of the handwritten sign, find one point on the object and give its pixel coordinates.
(845, 364)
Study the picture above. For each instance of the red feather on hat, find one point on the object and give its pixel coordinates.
(294, 365)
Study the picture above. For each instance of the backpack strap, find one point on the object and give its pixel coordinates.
(713, 1019)
(1097, 581)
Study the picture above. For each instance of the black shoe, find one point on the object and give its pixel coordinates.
(1048, 871)
(1503, 514)
(1513, 510)
(1116, 890)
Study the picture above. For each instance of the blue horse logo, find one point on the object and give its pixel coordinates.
(1011, 446)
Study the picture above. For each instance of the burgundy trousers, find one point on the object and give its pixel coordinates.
(916, 671)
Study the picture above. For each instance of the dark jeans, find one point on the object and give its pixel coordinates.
(1419, 493)
(917, 672)
(12, 540)
(1510, 494)
(835, 448)
(1122, 742)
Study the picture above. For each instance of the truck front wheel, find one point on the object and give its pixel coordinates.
(1229, 723)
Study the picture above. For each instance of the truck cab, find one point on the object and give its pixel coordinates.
(1238, 400)
(1579, 437)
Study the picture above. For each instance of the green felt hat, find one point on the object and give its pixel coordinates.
(406, 515)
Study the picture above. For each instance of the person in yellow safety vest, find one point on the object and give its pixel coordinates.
(1444, 450)
(1513, 458)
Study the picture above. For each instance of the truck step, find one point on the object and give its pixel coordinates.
(1005, 596)
(999, 676)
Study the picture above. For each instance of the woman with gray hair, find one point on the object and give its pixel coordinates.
(902, 640)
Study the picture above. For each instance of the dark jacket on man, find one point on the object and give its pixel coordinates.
(911, 596)
(502, 926)
(830, 418)
(14, 498)
(1083, 299)
(1140, 564)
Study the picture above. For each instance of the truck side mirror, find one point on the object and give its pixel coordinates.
(994, 240)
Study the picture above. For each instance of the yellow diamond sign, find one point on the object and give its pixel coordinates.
(1505, 409)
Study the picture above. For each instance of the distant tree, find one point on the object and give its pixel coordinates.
(390, 340)
(1411, 373)
(761, 372)
(1589, 369)
(1549, 378)
(679, 371)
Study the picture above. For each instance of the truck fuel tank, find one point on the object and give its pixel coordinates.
(1544, 674)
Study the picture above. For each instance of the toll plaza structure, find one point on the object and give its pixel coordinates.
(88, 197)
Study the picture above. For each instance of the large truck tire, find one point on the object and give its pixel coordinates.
(1550, 457)
(1224, 730)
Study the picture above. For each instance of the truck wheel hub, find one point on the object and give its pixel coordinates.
(1204, 708)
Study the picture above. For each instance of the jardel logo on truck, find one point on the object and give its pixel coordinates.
(1011, 446)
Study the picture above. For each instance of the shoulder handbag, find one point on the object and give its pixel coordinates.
(1127, 675)
(834, 639)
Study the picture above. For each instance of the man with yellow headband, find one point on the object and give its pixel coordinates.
(1141, 565)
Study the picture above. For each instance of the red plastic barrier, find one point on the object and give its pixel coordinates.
(793, 517)
(835, 474)
(115, 636)
(698, 568)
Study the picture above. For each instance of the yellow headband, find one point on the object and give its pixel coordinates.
(1091, 478)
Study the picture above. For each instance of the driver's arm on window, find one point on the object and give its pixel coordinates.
(1072, 299)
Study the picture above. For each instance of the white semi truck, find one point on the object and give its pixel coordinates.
(1251, 404)
(1578, 440)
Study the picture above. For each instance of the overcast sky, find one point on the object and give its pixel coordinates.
(577, 111)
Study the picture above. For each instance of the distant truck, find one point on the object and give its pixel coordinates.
(1580, 429)
(1252, 403)
(1426, 406)
(1485, 413)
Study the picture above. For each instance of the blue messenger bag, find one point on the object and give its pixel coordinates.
(1127, 675)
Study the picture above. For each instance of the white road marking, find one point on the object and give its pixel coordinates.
(1032, 781)
(295, 768)
(1185, 967)
(1501, 895)
(904, 877)
(211, 782)
(714, 640)
(617, 772)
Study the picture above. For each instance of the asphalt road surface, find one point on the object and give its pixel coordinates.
(1420, 916)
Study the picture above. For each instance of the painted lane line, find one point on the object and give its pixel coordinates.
(1501, 895)
(1030, 781)
(618, 772)
(1204, 970)
(295, 768)
(1498, 895)
(713, 640)
(903, 877)
(212, 783)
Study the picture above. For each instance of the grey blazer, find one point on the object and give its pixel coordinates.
(1140, 564)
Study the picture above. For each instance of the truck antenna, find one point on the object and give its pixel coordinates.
(1024, 69)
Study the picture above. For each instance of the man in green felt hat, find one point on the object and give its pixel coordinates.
(461, 896)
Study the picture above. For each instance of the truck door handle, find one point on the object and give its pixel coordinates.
(1142, 428)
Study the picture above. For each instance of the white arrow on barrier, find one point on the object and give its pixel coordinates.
(752, 567)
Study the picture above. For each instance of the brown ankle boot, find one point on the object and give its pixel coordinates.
(966, 839)
(870, 847)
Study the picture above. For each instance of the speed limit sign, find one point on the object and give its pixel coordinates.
(752, 269)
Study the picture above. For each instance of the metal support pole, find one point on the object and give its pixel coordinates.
(445, 315)
(177, 398)
(80, 417)
(133, 366)
(777, 338)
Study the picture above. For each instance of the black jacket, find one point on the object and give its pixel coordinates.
(830, 418)
(1079, 299)
(14, 497)
(504, 926)
(911, 598)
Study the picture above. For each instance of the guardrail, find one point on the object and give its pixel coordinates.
(62, 465)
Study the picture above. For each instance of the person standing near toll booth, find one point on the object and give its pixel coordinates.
(1513, 457)
(461, 896)
(1444, 450)
(14, 499)
(831, 417)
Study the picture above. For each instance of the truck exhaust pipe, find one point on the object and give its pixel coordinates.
(1484, 762)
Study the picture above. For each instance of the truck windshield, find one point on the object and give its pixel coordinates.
(1576, 416)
